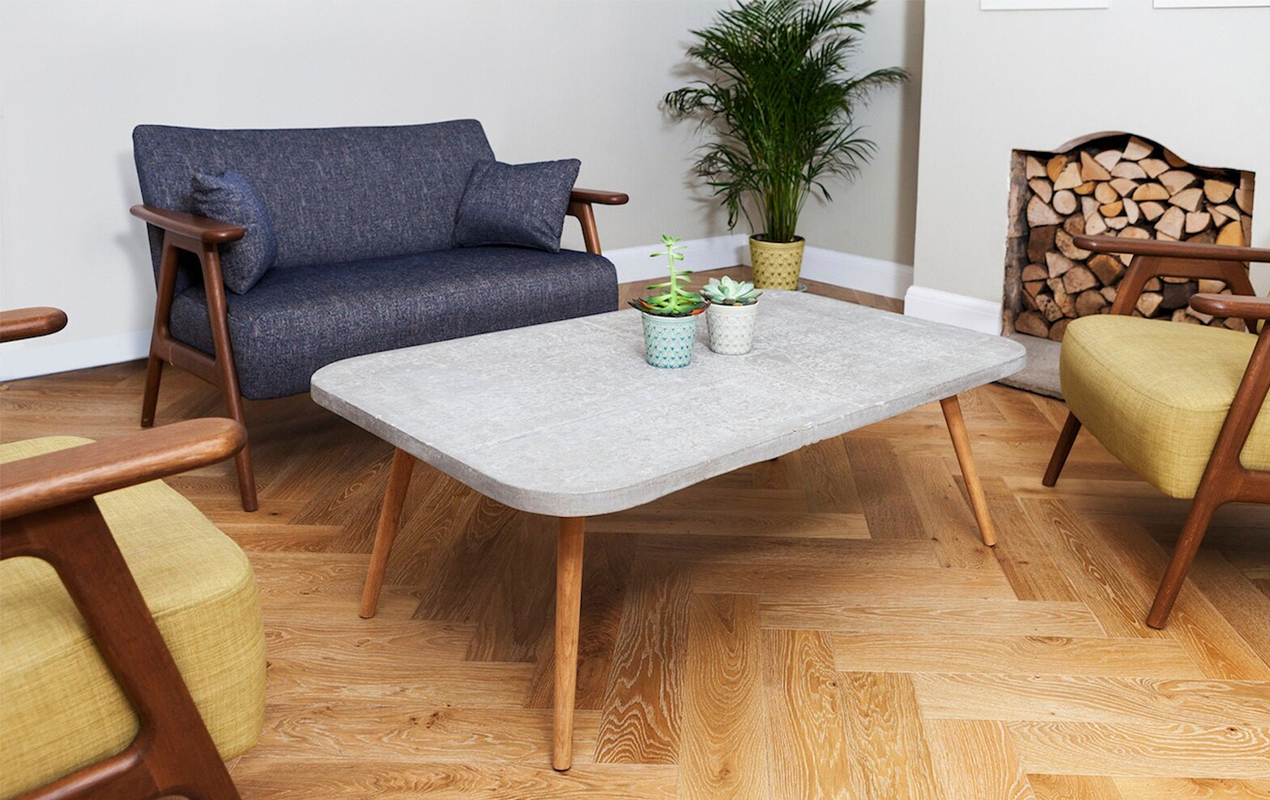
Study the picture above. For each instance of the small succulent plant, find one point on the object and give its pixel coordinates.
(676, 300)
(727, 292)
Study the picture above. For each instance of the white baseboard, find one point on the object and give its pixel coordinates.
(953, 309)
(47, 357)
(864, 274)
(849, 271)
(716, 252)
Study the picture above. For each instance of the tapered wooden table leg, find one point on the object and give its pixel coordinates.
(389, 521)
(961, 444)
(568, 610)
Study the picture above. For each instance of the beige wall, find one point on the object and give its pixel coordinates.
(548, 80)
(875, 215)
(1193, 79)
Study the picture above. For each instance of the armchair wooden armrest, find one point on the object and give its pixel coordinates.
(1154, 259)
(26, 323)
(1162, 249)
(202, 229)
(65, 476)
(1232, 305)
(599, 196)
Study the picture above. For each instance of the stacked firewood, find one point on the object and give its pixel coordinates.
(1118, 187)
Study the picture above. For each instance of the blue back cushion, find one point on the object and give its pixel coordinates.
(522, 205)
(335, 194)
(229, 197)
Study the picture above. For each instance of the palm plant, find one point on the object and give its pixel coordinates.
(780, 103)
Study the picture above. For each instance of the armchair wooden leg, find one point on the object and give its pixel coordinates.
(1202, 508)
(568, 616)
(961, 444)
(389, 521)
(1062, 448)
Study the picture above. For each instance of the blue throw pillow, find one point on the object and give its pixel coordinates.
(229, 197)
(516, 204)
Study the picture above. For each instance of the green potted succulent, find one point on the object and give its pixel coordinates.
(776, 94)
(670, 317)
(731, 315)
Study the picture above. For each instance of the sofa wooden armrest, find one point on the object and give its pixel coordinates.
(26, 323)
(580, 202)
(65, 476)
(202, 229)
(1232, 305)
(598, 196)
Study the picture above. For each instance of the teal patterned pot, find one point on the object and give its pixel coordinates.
(669, 340)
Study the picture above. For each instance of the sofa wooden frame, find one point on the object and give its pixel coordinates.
(1225, 479)
(203, 237)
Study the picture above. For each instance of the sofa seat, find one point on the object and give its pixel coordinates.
(299, 319)
(60, 709)
(1156, 394)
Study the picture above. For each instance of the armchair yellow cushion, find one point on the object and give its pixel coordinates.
(1156, 394)
(60, 709)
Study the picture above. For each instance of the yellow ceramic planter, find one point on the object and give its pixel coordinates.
(776, 264)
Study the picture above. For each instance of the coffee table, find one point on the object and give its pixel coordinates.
(567, 419)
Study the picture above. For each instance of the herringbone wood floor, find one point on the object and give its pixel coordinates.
(823, 626)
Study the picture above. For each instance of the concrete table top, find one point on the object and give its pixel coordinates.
(567, 419)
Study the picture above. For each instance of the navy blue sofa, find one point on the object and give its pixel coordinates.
(364, 221)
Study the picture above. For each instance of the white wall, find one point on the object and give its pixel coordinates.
(1195, 80)
(548, 80)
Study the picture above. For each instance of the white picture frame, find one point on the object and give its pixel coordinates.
(1042, 5)
(1212, 3)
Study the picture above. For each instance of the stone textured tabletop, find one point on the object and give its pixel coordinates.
(567, 419)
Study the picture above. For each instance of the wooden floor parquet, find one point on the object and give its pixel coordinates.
(826, 625)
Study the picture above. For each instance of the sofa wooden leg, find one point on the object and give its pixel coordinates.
(961, 445)
(226, 373)
(1202, 508)
(1062, 448)
(150, 400)
(568, 616)
(389, 521)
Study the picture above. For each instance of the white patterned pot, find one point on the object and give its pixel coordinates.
(731, 328)
(668, 340)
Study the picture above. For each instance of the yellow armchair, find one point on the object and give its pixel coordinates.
(1189, 421)
(130, 626)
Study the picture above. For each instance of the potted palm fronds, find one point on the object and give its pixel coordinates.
(670, 317)
(777, 97)
(731, 314)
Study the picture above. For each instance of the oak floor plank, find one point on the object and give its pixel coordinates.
(1177, 750)
(723, 750)
(301, 779)
(642, 704)
(938, 653)
(1074, 787)
(976, 759)
(1095, 699)
(807, 741)
(1191, 789)
(969, 617)
(888, 740)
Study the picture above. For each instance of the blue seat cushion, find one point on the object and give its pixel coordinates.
(299, 319)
